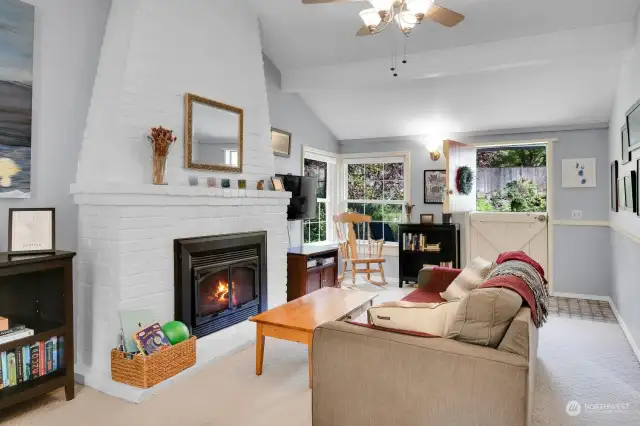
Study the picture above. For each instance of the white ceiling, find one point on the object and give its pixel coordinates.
(509, 64)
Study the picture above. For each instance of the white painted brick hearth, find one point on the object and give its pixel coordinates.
(125, 255)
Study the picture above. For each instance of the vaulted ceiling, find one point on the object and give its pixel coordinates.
(510, 64)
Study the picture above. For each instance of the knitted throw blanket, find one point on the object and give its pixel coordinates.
(532, 278)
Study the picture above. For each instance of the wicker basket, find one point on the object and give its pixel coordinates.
(145, 371)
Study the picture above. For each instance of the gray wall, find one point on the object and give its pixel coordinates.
(68, 36)
(593, 277)
(290, 113)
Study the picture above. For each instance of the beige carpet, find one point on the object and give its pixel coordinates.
(586, 361)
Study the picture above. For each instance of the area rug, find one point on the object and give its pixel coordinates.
(582, 363)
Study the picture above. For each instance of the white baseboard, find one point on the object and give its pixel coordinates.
(581, 296)
(627, 333)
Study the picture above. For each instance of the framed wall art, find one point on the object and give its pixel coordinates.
(32, 231)
(630, 192)
(633, 126)
(626, 154)
(579, 173)
(16, 87)
(614, 187)
(435, 186)
(280, 142)
(277, 184)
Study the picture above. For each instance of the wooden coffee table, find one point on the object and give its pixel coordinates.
(296, 320)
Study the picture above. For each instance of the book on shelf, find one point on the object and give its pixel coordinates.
(29, 362)
(11, 330)
(16, 335)
(446, 264)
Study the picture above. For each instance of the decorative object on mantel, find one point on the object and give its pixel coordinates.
(633, 126)
(193, 180)
(579, 173)
(32, 231)
(213, 135)
(242, 184)
(260, 185)
(626, 154)
(464, 180)
(630, 192)
(280, 142)
(447, 218)
(277, 183)
(426, 219)
(614, 186)
(408, 208)
(435, 186)
(161, 140)
(211, 182)
(16, 81)
(226, 183)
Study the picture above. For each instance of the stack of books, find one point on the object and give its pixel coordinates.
(29, 362)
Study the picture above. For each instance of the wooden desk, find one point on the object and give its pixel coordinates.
(296, 320)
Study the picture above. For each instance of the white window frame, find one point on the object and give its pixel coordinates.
(377, 157)
(331, 202)
(229, 155)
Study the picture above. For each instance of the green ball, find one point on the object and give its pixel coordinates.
(176, 332)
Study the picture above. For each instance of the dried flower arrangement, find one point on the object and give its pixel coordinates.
(161, 139)
(408, 207)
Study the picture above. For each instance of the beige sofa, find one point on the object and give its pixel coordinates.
(368, 377)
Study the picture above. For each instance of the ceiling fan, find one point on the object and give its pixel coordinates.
(405, 13)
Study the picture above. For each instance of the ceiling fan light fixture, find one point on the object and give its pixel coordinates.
(406, 20)
(371, 18)
(382, 7)
(419, 8)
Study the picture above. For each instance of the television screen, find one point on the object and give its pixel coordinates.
(303, 196)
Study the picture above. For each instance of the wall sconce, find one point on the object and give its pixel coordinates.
(433, 147)
(434, 155)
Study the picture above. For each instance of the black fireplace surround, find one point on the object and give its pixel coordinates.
(220, 280)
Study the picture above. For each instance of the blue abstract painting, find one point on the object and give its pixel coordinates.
(16, 87)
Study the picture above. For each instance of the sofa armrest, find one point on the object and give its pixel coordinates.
(435, 279)
(364, 376)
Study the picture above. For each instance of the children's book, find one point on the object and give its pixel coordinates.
(35, 361)
(151, 339)
(13, 368)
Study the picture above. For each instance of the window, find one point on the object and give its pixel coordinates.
(315, 230)
(231, 157)
(376, 187)
(512, 179)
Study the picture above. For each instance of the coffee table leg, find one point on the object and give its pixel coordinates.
(259, 349)
(310, 350)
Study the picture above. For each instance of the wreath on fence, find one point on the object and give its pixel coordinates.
(464, 180)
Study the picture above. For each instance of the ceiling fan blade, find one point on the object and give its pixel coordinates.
(326, 1)
(443, 16)
(364, 31)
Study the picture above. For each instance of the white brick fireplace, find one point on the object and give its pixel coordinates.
(152, 54)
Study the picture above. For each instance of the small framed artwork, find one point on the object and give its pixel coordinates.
(426, 219)
(633, 126)
(579, 173)
(630, 192)
(626, 154)
(435, 186)
(280, 142)
(32, 231)
(277, 184)
(614, 187)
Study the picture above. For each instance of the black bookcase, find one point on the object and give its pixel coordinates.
(421, 245)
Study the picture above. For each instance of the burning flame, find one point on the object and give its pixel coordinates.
(221, 292)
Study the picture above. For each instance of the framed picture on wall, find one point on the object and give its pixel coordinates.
(633, 126)
(280, 142)
(579, 173)
(614, 187)
(630, 192)
(435, 185)
(626, 154)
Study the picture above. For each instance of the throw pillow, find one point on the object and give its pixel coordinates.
(469, 279)
(430, 318)
(484, 315)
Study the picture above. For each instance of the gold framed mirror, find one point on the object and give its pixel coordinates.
(213, 137)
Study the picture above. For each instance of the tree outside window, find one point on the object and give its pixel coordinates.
(315, 230)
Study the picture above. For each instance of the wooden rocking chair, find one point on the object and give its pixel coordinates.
(359, 254)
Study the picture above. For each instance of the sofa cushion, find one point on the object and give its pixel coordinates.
(422, 296)
(430, 318)
(469, 279)
(516, 339)
(483, 316)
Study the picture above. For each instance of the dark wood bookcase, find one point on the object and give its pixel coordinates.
(37, 291)
(413, 255)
